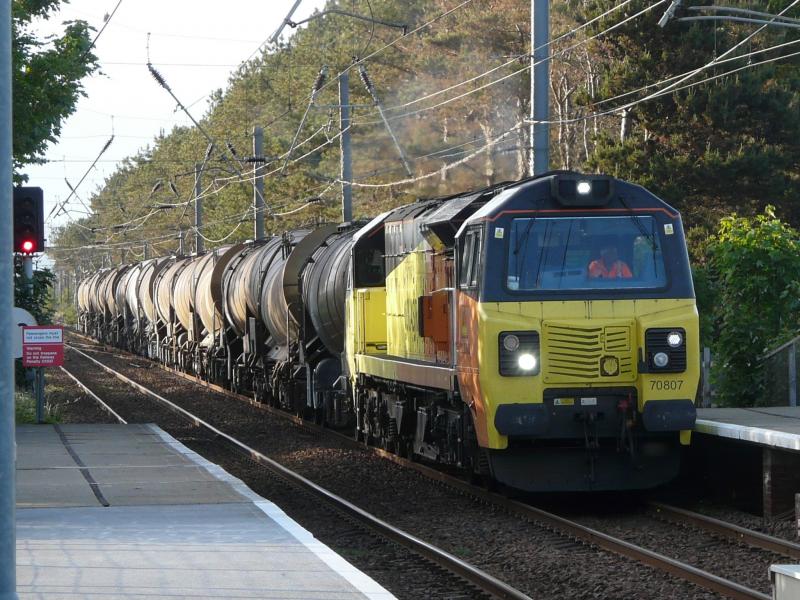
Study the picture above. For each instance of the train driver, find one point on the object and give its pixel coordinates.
(609, 265)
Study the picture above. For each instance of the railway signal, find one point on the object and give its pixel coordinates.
(28, 220)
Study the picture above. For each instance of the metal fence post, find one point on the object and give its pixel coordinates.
(792, 374)
(39, 383)
(706, 367)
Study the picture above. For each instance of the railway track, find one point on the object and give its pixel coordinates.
(485, 582)
(729, 531)
(559, 524)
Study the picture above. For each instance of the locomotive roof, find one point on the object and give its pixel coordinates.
(445, 217)
(558, 193)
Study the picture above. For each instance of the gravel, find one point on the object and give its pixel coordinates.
(786, 528)
(737, 562)
(68, 403)
(397, 569)
(528, 556)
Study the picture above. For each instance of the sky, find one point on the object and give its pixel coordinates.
(195, 44)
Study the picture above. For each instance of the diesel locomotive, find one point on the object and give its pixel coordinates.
(542, 334)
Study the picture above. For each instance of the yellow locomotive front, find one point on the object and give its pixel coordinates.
(542, 333)
(577, 335)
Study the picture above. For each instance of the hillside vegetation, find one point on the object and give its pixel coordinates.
(703, 114)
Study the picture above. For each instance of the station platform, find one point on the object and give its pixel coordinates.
(777, 426)
(752, 454)
(127, 511)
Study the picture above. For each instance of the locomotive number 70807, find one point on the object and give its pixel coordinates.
(669, 384)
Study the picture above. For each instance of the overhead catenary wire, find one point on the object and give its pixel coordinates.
(613, 27)
(164, 238)
(163, 83)
(102, 29)
(222, 239)
(72, 193)
(421, 27)
(569, 33)
(193, 198)
(741, 11)
(728, 19)
(671, 86)
(660, 92)
(518, 71)
(674, 77)
(494, 141)
(445, 168)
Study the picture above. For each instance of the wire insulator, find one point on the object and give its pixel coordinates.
(362, 72)
(157, 76)
(321, 77)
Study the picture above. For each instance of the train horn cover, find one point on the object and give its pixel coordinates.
(574, 189)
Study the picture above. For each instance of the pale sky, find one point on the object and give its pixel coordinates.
(184, 33)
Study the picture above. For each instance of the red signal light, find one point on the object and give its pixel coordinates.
(28, 246)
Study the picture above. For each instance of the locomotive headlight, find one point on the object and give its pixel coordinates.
(584, 188)
(665, 348)
(518, 353)
(660, 359)
(511, 342)
(527, 362)
(674, 339)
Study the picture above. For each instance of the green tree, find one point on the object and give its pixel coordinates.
(726, 145)
(754, 265)
(34, 296)
(47, 78)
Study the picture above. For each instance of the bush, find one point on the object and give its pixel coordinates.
(35, 299)
(752, 284)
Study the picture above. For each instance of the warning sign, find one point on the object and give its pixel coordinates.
(42, 346)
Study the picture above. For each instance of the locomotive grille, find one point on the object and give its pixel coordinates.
(585, 353)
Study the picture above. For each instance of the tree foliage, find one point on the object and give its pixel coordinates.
(47, 78)
(726, 144)
(753, 275)
(272, 91)
(34, 296)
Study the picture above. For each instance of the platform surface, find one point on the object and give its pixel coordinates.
(777, 426)
(126, 511)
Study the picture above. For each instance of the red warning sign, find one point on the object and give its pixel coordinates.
(42, 346)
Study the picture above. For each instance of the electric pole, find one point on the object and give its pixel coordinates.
(180, 243)
(8, 558)
(539, 158)
(198, 206)
(344, 140)
(258, 182)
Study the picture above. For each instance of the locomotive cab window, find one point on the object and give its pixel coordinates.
(369, 269)
(584, 253)
(470, 262)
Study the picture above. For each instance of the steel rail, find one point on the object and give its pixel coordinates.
(674, 567)
(462, 569)
(727, 530)
(95, 397)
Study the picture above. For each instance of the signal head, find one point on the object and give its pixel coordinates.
(28, 220)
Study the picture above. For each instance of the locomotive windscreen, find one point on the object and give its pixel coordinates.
(584, 253)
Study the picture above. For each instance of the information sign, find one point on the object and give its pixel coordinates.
(42, 346)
